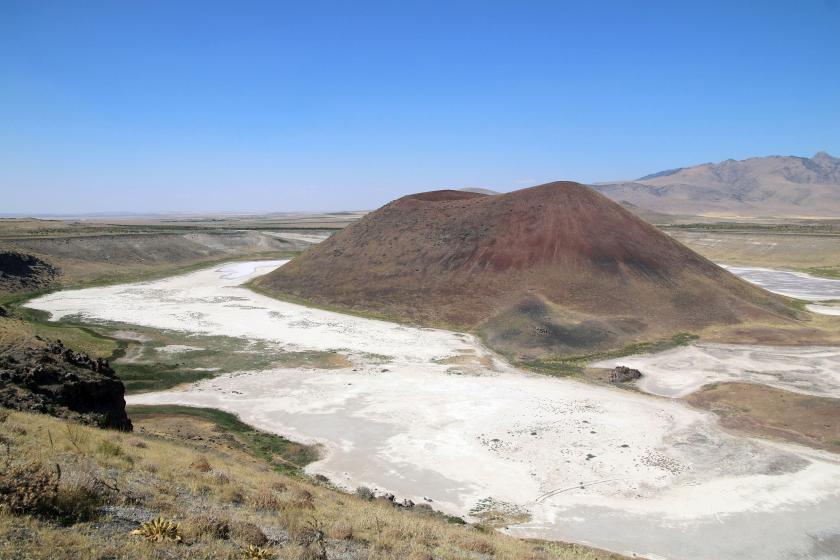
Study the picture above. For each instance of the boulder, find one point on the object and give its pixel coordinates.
(623, 374)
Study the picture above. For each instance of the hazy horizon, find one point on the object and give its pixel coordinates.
(207, 108)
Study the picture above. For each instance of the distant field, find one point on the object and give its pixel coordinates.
(84, 253)
(807, 250)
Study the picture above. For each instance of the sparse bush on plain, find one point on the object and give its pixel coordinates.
(108, 448)
(475, 543)
(246, 533)
(219, 476)
(365, 493)
(17, 429)
(80, 494)
(139, 444)
(207, 526)
(78, 436)
(201, 464)
(232, 495)
(28, 488)
(312, 540)
(265, 500)
(302, 498)
(341, 530)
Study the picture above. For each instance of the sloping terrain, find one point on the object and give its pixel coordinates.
(84, 491)
(38, 254)
(774, 186)
(551, 269)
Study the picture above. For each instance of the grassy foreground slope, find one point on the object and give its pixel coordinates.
(68, 491)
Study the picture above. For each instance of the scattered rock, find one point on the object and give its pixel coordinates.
(623, 374)
(3, 312)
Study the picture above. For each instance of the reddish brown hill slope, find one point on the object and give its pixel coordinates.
(551, 269)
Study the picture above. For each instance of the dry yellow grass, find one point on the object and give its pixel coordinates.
(288, 516)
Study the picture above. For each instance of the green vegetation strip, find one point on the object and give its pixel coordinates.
(573, 365)
(284, 455)
(831, 228)
(142, 378)
(825, 271)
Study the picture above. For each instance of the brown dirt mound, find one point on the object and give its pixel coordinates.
(552, 269)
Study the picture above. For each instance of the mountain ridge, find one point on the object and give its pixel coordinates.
(771, 186)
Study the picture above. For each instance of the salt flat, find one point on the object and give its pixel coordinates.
(789, 283)
(426, 413)
(679, 371)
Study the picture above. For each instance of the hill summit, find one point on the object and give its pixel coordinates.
(552, 269)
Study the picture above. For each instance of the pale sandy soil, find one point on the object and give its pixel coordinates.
(677, 372)
(613, 468)
(789, 283)
(177, 348)
(308, 237)
(826, 309)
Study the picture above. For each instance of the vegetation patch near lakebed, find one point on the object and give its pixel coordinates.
(575, 365)
(282, 454)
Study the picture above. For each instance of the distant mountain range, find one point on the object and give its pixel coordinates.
(773, 186)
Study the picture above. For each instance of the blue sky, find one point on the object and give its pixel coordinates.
(274, 106)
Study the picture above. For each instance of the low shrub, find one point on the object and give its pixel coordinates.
(220, 477)
(265, 500)
(108, 448)
(207, 526)
(201, 464)
(365, 493)
(232, 495)
(341, 530)
(28, 488)
(80, 494)
(302, 498)
(474, 543)
(246, 533)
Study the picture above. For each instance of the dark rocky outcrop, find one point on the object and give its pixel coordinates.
(24, 272)
(623, 374)
(56, 380)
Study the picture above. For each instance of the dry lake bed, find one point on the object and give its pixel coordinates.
(430, 415)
